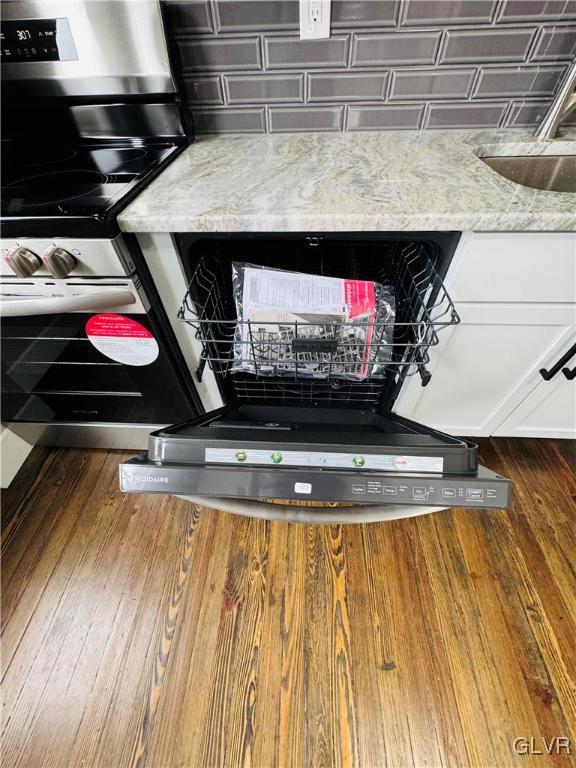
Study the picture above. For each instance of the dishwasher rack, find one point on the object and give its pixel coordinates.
(423, 309)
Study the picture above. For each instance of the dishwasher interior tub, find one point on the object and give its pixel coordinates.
(317, 439)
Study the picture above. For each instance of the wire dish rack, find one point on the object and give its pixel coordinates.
(320, 363)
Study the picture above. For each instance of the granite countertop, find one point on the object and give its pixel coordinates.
(395, 180)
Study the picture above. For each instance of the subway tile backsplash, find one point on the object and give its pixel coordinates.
(523, 113)
(517, 81)
(395, 48)
(347, 86)
(267, 89)
(423, 12)
(409, 85)
(206, 54)
(293, 53)
(383, 118)
(555, 44)
(466, 46)
(388, 65)
(230, 120)
(291, 119)
(465, 115)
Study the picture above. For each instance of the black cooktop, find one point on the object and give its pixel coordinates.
(66, 191)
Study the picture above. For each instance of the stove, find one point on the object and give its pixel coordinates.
(88, 118)
(75, 190)
(89, 356)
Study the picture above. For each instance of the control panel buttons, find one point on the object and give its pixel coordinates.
(358, 488)
(22, 261)
(241, 455)
(358, 461)
(419, 493)
(448, 493)
(58, 261)
(390, 490)
(276, 457)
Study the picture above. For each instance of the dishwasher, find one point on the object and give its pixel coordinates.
(325, 438)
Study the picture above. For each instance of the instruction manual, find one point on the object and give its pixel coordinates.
(308, 325)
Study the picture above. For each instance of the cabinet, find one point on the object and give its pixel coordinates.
(485, 371)
(515, 266)
(548, 411)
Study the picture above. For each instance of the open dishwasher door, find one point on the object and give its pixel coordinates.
(284, 435)
(314, 454)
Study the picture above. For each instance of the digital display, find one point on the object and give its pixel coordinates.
(36, 40)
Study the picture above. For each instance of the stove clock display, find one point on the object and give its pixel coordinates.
(36, 40)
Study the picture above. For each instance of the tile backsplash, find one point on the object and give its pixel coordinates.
(388, 64)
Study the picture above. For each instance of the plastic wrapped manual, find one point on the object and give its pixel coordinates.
(310, 326)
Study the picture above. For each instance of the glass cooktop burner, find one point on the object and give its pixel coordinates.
(51, 156)
(55, 187)
(119, 156)
(86, 180)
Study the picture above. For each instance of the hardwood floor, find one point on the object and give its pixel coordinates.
(141, 631)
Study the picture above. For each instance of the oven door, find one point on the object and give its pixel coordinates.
(55, 370)
(247, 454)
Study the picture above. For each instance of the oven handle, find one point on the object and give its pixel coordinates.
(368, 513)
(57, 305)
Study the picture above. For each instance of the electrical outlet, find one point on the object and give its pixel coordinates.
(315, 11)
(314, 19)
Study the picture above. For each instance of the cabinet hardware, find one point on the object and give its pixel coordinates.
(548, 374)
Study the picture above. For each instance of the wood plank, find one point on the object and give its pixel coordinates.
(194, 650)
(142, 631)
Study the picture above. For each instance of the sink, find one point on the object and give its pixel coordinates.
(555, 173)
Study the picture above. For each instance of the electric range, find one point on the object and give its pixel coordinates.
(75, 190)
(88, 354)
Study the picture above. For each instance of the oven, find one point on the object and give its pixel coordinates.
(325, 437)
(89, 350)
(90, 115)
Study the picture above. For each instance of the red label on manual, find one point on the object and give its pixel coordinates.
(360, 298)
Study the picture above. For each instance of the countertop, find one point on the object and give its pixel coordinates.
(394, 180)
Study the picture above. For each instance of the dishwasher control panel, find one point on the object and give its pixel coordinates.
(486, 489)
(431, 491)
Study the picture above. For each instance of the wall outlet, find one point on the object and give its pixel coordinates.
(314, 19)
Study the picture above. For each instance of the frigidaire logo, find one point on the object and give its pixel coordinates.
(149, 479)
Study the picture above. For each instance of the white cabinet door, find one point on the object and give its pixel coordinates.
(548, 411)
(487, 365)
(515, 266)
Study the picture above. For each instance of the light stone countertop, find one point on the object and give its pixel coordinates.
(394, 180)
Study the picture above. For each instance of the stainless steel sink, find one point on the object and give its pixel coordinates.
(554, 173)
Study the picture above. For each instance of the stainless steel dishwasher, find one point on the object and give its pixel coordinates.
(317, 439)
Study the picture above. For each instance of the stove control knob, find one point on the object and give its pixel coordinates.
(23, 261)
(58, 261)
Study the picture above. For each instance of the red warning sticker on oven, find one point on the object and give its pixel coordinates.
(122, 339)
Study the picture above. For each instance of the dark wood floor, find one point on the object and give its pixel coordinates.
(139, 630)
